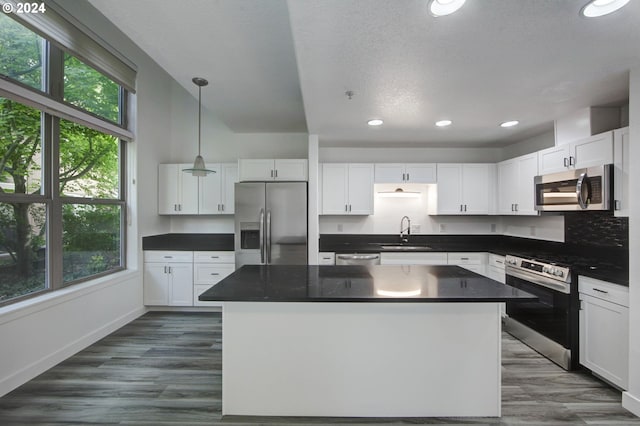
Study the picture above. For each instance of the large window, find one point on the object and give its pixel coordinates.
(62, 197)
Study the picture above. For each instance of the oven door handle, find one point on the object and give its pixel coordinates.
(583, 180)
(538, 280)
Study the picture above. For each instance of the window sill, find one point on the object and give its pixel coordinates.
(17, 310)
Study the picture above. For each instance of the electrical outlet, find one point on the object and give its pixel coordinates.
(441, 227)
(415, 229)
(532, 230)
(339, 227)
(493, 227)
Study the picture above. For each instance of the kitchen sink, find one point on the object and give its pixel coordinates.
(408, 247)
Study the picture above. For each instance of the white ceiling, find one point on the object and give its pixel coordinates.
(277, 66)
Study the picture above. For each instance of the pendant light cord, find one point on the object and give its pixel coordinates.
(199, 117)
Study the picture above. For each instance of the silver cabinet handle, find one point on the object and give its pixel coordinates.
(215, 273)
(168, 257)
(215, 257)
(165, 269)
(408, 178)
(349, 208)
(572, 161)
(271, 173)
(460, 207)
(617, 205)
(566, 162)
(465, 207)
(403, 178)
(346, 207)
(222, 206)
(464, 258)
(276, 173)
(516, 207)
(600, 291)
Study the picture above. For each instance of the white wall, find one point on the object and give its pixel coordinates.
(631, 399)
(39, 333)
(527, 146)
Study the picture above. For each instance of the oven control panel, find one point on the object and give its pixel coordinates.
(550, 270)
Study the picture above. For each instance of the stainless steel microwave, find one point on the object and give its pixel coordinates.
(579, 189)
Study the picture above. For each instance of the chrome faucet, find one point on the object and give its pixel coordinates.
(405, 238)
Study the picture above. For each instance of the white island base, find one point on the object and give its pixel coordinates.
(361, 359)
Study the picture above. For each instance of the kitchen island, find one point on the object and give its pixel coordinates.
(356, 341)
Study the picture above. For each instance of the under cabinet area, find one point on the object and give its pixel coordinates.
(604, 329)
(466, 189)
(405, 173)
(347, 189)
(177, 278)
(262, 169)
(168, 278)
(592, 151)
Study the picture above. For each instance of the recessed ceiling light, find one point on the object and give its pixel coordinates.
(444, 7)
(375, 122)
(596, 8)
(443, 123)
(510, 123)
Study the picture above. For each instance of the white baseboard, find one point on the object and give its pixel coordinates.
(34, 369)
(631, 403)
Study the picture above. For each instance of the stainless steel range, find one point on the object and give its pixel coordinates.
(550, 324)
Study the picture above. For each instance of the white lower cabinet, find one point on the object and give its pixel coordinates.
(209, 268)
(401, 258)
(326, 258)
(476, 262)
(604, 329)
(177, 278)
(168, 278)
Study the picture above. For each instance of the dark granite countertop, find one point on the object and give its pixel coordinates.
(415, 283)
(189, 242)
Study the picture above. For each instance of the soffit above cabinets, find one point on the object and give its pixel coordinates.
(278, 66)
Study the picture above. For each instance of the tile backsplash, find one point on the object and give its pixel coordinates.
(596, 229)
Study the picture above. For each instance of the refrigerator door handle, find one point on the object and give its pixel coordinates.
(268, 231)
(261, 235)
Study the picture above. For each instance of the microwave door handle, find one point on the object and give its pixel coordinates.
(261, 235)
(583, 180)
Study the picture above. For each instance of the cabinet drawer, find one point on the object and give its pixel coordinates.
(206, 273)
(496, 261)
(413, 258)
(603, 290)
(467, 258)
(326, 258)
(168, 256)
(197, 291)
(214, 257)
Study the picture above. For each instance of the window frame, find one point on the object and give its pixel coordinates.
(50, 102)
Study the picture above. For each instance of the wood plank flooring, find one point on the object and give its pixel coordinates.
(165, 369)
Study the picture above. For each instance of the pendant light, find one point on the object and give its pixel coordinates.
(199, 169)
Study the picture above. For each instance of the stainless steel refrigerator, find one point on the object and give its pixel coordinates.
(271, 223)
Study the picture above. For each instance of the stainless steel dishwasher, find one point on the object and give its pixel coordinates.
(365, 259)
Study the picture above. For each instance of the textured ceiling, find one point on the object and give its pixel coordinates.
(277, 66)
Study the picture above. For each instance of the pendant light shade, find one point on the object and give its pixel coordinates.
(199, 168)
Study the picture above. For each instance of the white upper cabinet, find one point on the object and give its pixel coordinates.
(177, 190)
(592, 151)
(466, 189)
(621, 172)
(216, 190)
(515, 185)
(405, 173)
(347, 189)
(273, 169)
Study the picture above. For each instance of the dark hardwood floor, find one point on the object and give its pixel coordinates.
(165, 369)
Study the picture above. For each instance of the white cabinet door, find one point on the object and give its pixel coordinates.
(421, 173)
(290, 169)
(507, 186)
(334, 188)
(554, 159)
(347, 189)
(211, 191)
(180, 284)
(177, 190)
(360, 189)
(229, 179)
(594, 151)
(389, 173)
(476, 188)
(255, 169)
(450, 189)
(525, 191)
(604, 339)
(156, 284)
(621, 172)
